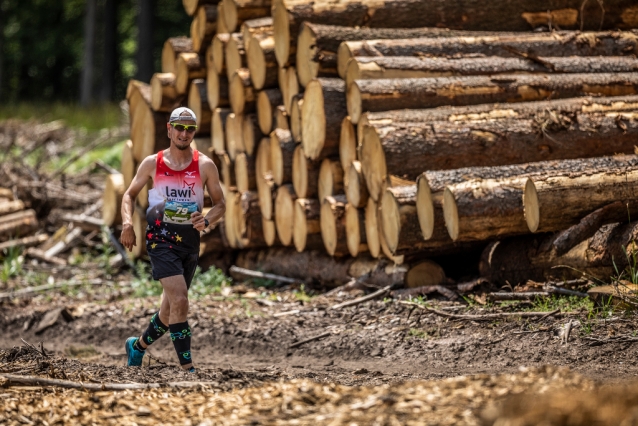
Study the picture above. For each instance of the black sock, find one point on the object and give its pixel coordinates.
(155, 330)
(181, 337)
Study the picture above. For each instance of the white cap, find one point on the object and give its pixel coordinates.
(188, 114)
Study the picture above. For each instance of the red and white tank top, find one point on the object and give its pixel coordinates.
(176, 194)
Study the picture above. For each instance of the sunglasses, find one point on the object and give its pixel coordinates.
(190, 128)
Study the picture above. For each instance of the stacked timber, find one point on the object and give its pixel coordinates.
(385, 132)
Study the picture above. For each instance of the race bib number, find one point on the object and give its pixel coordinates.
(179, 212)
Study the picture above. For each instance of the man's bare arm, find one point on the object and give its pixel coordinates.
(144, 173)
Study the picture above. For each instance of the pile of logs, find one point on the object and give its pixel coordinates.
(368, 138)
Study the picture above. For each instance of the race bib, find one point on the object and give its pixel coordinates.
(179, 212)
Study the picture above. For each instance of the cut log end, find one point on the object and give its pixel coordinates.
(295, 118)
(307, 68)
(343, 56)
(257, 65)
(218, 123)
(300, 172)
(425, 207)
(531, 206)
(313, 120)
(241, 173)
(300, 227)
(270, 232)
(327, 181)
(347, 143)
(372, 229)
(353, 230)
(264, 112)
(234, 50)
(373, 162)
(284, 213)
(426, 273)
(281, 32)
(390, 220)
(355, 185)
(229, 14)
(218, 48)
(450, 214)
(112, 199)
(354, 103)
(234, 135)
(328, 227)
(230, 218)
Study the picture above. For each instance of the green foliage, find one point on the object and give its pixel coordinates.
(144, 285)
(204, 283)
(415, 333)
(92, 118)
(301, 294)
(12, 261)
(564, 303)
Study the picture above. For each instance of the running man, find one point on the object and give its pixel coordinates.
(175, 219)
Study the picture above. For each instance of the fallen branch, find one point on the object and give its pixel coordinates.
(7, 380)
(24, 242)
(382, 292)
(484, 317)
(47, 287)
(353, 284)
(41, 255)
(256, 274)
(311, 339)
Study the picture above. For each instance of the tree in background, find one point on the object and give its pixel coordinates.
(42, 47)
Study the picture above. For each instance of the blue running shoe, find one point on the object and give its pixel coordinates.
(134, 356)
(192, 370)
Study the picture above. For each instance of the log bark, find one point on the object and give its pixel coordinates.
(251, 133)
(261, 60)
(218, 46)
(557, 130)
(237, 12)
(171, 50)
(557, 202)
(295, 117)
(355, 185)
(366, 68)
(289, 85)
(221, 22)
(267, 102)
(330, 178)
(139, 226)
(164, 97)
(255, 27)
(198, 102)
(306, 233)
(282, 149)
(250, 233)
(519, 259)
(112, 199)
(234, 130)
(245, 172)
(355, 230)
(188, 67)
(235, 54)
(322, 111)
(431, 186)
(7, 207)
(218, 127)
(242, 95)
(284, 213)
(218, 90)
(319, 50)
(191, 6)
(203, 27)
(305, 174)
(127, 162)
(333, 225)
(394, 94)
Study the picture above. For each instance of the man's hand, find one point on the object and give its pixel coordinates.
(128, 238)
(198, 221)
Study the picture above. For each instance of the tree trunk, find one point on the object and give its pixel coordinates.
(238, 11)
(127, 163)
(355, 230)
(164, 97)
(235, 54)
(330, 178)
(198, 102)
(282, 149)
(413, 93)
(516, 260)
(203, 27)
(323, 110)
(251, 133)
(218, 90)
(355, 185)
(284, 213)
(306, 225)
(110, 56)
(554, 203)
(242, 95)
(188, 67)
(557, 130)
(234, 132)
(333, 225)
(249, 222)
(319, 48)
(112, 199)
(305, 174)
(484, 187)
(366, 68)
(88, 54)
(245, 172)
(261, 60)
(218, 129)
(267, 102)
(171, 50)
(145, 31)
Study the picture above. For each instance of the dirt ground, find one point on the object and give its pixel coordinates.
(394, 363)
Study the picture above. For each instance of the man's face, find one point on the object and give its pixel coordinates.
(179, 136)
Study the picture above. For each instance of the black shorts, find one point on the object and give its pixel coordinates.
(168, 262)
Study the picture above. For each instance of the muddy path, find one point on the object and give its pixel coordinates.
(379, 341)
